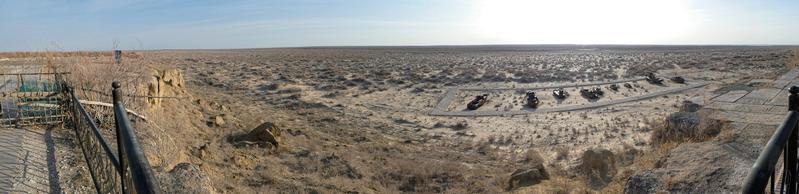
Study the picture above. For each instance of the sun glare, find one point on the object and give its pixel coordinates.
(583, 21)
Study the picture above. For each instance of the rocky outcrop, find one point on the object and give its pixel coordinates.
(645, 182)
(164, 83)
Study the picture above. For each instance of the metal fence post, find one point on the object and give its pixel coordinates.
(120, 145)
(791, 147)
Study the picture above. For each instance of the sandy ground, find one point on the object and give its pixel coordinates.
(358, 119)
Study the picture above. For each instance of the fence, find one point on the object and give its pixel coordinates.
(124, 170)
(30, 99)
(781, 147)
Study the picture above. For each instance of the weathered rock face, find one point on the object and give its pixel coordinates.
(645, 182)
(534, 174)
(265, 135)
(164, 83)
(706, 167)
(598, 166)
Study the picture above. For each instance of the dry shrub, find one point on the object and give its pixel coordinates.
(91, 74)
(687, 126)
(421, 176)
(795, 61)
(561, 153)
(49, 54)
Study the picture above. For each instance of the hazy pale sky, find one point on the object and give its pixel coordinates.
(187, 24)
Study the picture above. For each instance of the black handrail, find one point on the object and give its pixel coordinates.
(127, 170)
(782, 143)
(140, 173)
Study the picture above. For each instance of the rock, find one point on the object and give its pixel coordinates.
(164, 83)
(265, 135)
(186, 178)
(682, 126)
(173, 77)
(690, 106)
(683, 122)
(219, 120)
(526, 177)
(598, 166)
(645, 182)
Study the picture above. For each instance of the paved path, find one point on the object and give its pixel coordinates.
(27, 158)
(27, 161)
(754, 115)
(558, 86)
(450, 94)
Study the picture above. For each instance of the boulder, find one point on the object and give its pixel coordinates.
(645, 182)
(534, 174)
(526, 177)
(265, 135)
(598, 166)
(219, 120)
(690, 106)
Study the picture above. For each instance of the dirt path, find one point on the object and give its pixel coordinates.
(447, 99)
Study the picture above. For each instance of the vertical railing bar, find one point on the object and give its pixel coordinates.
(782, 184)
(80, 139)
(120, 146)
(140, 172)
(791, 147)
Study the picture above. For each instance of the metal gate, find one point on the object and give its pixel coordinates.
(31, 99)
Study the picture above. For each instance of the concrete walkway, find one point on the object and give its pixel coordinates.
(754, 115)
(27, 161)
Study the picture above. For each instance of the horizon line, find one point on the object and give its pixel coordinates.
(417, 46)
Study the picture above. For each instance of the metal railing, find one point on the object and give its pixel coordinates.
(124, 171)
(31, 99)
(782, 146)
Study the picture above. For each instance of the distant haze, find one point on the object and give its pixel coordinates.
(174, 24)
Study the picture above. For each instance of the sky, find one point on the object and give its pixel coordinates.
(33, 25)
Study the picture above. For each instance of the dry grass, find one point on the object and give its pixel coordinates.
(50, 54)
(664, 131)
(559, 185)
(794, 61)
(91, 73)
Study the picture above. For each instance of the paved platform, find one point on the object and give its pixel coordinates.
(27, 161)
(754, 115)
